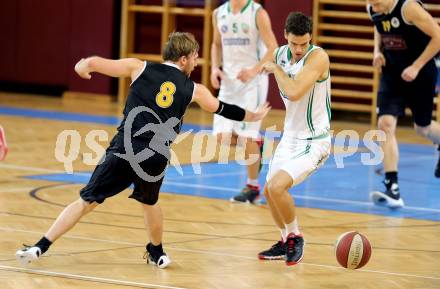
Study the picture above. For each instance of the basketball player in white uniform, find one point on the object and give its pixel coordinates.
(303, 77)
(242, 32)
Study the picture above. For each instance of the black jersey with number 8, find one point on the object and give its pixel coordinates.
(163, 92)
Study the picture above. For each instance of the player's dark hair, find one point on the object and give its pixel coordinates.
(179, 44)
(298, 24)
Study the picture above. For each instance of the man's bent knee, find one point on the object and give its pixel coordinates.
(86, 206)
(146, 199)
(424, 131)
(387, 124)
(276, 188)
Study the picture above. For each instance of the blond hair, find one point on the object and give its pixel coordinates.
(179, 44)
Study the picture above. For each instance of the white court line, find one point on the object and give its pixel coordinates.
(200, 186)
(16, 190)
(224, 254)
(27, 189)
(325, 166)
(71, 236)
(233, 173)
(374, 271)
(330, 200)
(85, 277)
(40, 170)
(244, 172)
(368, 204)
(43, 170)
(31, 169)
(123, 243)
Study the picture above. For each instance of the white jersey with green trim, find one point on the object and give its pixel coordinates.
(308, 117)
(241, 43)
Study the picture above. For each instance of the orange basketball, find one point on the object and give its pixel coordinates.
(352, 250)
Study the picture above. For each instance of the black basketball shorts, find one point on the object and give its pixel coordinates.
(395, 95)
(115, 174)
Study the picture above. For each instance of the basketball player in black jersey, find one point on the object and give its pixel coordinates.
(157, 100)
(406, 39)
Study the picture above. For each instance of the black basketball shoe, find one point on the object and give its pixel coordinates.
(156, 257)
(249, 194)
(390, 198)
(294, 249)
(276, 252)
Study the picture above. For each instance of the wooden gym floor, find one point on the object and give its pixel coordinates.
(213, 243)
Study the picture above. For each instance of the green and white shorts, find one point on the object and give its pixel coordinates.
(299, 158)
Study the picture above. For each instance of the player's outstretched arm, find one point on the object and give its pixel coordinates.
(316, 68)
(208, 102)
(126, 67)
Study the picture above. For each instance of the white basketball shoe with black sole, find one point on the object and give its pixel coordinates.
(27, 255)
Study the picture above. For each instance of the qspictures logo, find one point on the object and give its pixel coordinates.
(204, 147)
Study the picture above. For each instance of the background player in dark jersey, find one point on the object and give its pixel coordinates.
(158, 96)
(406, 40)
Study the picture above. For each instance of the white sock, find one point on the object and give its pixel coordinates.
(253, 183)
(283, 234)
(293, 227)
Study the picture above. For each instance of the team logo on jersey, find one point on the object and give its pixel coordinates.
(245, 27)
(393, 42)
(224, 28)
(395, 22)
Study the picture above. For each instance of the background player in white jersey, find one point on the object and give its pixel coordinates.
(242, 31)
(303, 77)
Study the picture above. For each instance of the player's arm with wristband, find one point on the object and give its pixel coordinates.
(209, 103)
